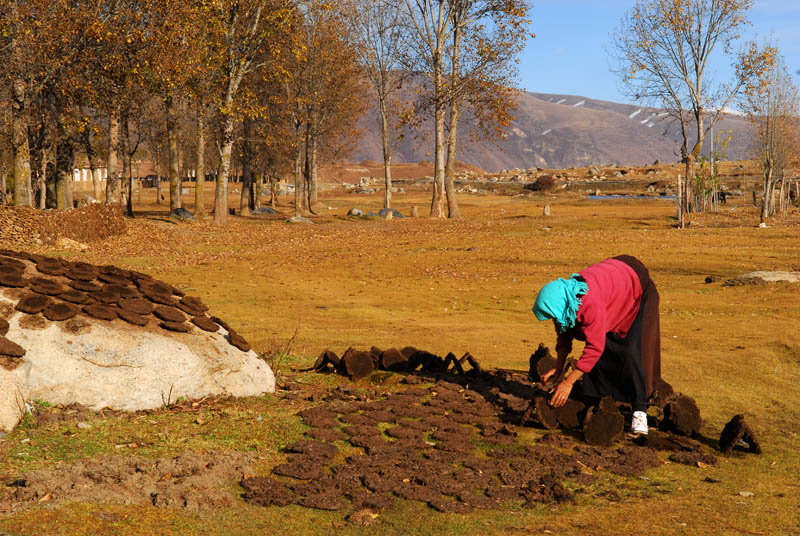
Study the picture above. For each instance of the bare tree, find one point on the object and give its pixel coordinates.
(664, 48)
(771, 104)
(381, 43)
(487, 38)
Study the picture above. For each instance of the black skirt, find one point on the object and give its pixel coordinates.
(630, 367)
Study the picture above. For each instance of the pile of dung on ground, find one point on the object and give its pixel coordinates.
(57, 290)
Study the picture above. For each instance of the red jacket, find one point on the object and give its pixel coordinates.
(610, 305)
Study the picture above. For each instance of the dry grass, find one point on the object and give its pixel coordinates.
(468, 286)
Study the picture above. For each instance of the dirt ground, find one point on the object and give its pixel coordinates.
(450, 286)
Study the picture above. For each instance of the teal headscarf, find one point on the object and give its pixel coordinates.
(560, 300)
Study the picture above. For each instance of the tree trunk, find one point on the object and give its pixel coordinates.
(113, 175)
(127, 165)
(437, 201)
(158, 185)
(257, 191)
(766, 194)
(3, 183)
(387, 156)
(453, 212)
(298, 171)
(172, 151)
(226, 148)
(687, 190)
(21, 171)
(273, 191)
(42, 181)
(200, 169)
(313, 165)
(244, 200)
(65, 161)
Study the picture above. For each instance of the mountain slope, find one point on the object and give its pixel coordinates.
(559, 131)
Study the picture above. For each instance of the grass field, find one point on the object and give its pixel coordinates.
(457, 286)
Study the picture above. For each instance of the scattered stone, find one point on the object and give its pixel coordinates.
(355, 212)
(713, 279)
(546, 211)
(395, 214)
(181, 214)
(260, 211)
(298, 219)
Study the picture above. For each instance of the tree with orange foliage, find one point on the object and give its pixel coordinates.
(239, 36)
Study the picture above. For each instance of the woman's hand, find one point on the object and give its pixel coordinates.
(561, 394)
(547, 375)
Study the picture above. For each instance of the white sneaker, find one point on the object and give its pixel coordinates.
(639, 423)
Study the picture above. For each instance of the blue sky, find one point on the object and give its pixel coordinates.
(570, 52)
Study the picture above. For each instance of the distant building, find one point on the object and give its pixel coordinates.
(82, 177)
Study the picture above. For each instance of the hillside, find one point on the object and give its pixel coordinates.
(560, 131)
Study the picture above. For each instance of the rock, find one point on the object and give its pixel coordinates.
(298, 219)
(593, 171)
(264, 210)
(112, 362)
(414, 212)
(355, 212)
(773, 277)
(385, 211)
(68, 243)
(546, 211)
(181, 214)
(83, 425)
(713, 279)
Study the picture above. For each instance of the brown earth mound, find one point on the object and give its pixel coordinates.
(24, 226)
(191, 480)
